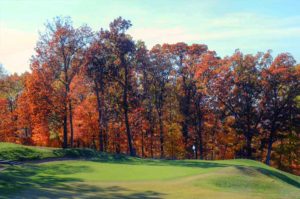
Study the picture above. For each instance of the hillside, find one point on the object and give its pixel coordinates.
(108, 176)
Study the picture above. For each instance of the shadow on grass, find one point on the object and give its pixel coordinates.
(247, 171)
(43, 181)
(123, 159)
(86, 192)
(20, 154)
(268, 172)
(76, 153)
(280, 176)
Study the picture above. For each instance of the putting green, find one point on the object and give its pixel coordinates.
(137, 178)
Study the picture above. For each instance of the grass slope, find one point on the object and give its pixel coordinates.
(10, 151)
(114, 177)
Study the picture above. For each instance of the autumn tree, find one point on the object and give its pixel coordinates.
(281, 85)
(61, 47)
(122, 48)
(146, 79)
(202, 70)
(184, 58)
(161, 68)
(10, 90)
(237, 86)
(98, 60)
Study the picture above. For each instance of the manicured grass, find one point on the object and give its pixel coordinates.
(107, 176)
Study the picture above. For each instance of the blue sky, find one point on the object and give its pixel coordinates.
(224, 25)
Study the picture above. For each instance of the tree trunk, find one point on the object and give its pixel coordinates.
(196, 150)
(125, 108)
(151, 130)
(224, 152)
(71, 123)
(198, 126)
(151, 142)
(185, 109)
(270, 143)
(99, 117)
(200, 144)
(118, 146)
(161, 134)
(65, 141)
(248, 146)
(105, 138)
(143, 144)
(185, 136)
(129, 138)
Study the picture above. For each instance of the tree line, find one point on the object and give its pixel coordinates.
(105, 91)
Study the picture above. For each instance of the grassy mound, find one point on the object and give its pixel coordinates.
(9, 151)
(16, 152)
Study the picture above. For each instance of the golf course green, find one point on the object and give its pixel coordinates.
(109, 176)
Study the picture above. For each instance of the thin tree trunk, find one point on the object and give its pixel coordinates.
(71, 123)
(248, 146)
(151, 142)
(105, 137)
(199, 140)
(196, 149)
(173, 153)
(224, 153)
(65, 141)
(125, 108)
(99, 117)
(161, 137)
(270, 143)
(94, 142)
(186, 113)
(200, 144)
(143, 144)
(198, 125)
(151, 121)
(129, 138)
(118, 146)
(185, 136)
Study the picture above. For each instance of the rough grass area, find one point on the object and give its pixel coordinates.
(16, 152)
(108, 176)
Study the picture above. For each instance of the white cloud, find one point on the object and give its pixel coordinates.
(223, 34)
(253, 25)
(154, 36)
(16, 48)
(238, 20)
(236, 30)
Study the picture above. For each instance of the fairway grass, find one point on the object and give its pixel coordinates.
(137, 178)
(118, 176)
